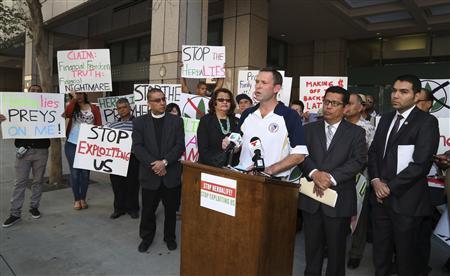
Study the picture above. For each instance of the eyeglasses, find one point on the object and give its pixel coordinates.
(163, 99)
(221, 100)
(333, 103)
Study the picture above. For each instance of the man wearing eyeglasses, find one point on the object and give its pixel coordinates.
(158, 143)
(337, 153)
(400, 158)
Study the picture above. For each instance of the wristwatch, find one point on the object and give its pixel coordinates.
(165, 162)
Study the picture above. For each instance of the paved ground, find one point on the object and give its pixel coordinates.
(87, 242)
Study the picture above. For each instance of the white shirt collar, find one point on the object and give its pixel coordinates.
(158, 116)
(405, 113)
(335, 125)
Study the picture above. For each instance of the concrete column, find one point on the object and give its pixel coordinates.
(330, 57)
(245, 32)
(30, 70)
(175, 23)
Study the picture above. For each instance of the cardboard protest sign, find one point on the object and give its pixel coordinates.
(247, 82)
(441, 91)
(108, 108)
(192, 106)
(442, 230)
(203, 61)
(32, 115)
(361, 185)
(444, 135)
(285, 94)
(190, 138)
(218, 193)
(103, 150)
(172, 92)
(312, 90)
(87, 70)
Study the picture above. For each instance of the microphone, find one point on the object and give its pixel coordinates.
(235, 141)
(256, 149)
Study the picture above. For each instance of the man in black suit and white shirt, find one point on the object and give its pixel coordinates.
(158, 143)
(337, 153)
(400, 158)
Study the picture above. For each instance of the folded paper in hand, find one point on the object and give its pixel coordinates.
(329, 196)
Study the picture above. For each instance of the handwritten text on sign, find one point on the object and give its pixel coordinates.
(218, 193)
(171, 91)
(203, 62)
(190, 139)
(108, 108)
(32, 115)
(87, 70)
(312, 90)
(192, 106)
(103, 150)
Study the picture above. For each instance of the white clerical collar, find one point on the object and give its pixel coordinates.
(158, 116)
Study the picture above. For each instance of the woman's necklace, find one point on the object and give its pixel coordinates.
(228, 129)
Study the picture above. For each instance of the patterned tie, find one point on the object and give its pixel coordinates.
(329, 135)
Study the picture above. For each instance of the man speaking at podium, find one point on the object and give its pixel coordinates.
(271, 130)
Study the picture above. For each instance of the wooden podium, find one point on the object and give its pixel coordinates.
(258, 240)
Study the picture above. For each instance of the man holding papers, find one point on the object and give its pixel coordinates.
(337, 152)
(400, 158)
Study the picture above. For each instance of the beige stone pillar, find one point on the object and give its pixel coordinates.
(245, 32)
(330, 57)
(30, 70)
(175, 23)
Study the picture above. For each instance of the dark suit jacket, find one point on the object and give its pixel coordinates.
(409, 189)
(209, 140)
(146, 150)
(344, 159)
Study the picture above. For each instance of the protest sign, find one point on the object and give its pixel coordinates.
(218, 193)
(103, 150)
(203, 61)
(441, 91)
(444, 135)
(108, 108)
(87, 70)
(285, 94)
(312, 90)
(192, 106)
(361, 186)
(247, 82)
(172, 92)
(190, 138)
(32, 115)
(442, 230)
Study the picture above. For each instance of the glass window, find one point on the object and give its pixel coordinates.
(130, 51)
(144, 49)
(116, 53)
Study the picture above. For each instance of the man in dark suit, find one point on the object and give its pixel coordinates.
(400, 158)
(158, 143)
(337, 152)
